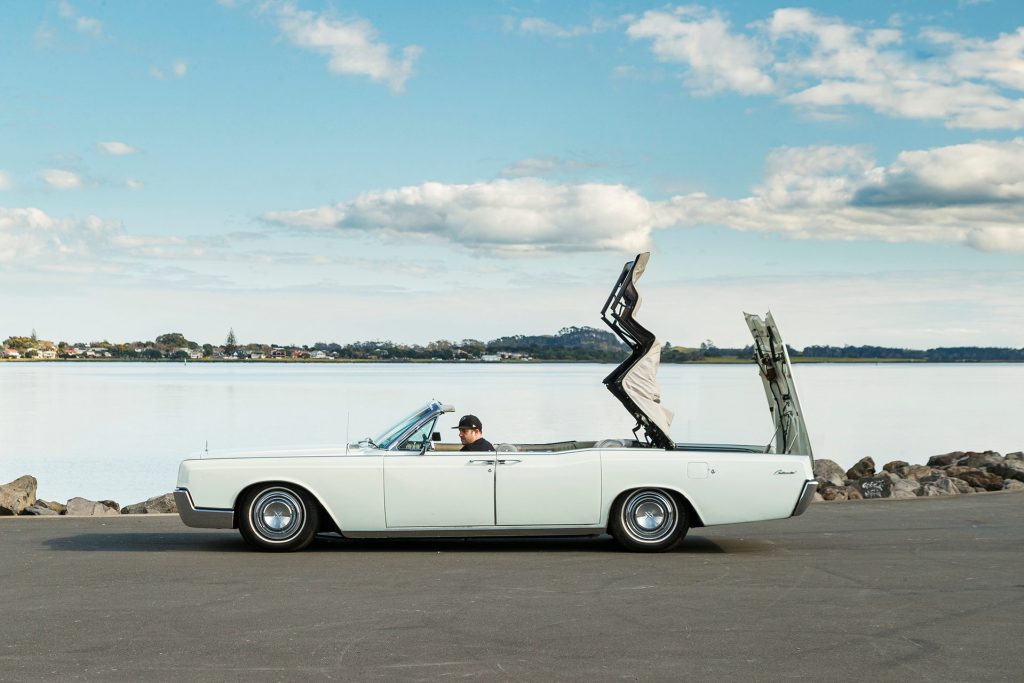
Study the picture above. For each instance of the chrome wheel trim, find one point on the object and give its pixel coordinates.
(277, 515)
(649, 516)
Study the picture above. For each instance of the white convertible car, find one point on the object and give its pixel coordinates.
(647, 491)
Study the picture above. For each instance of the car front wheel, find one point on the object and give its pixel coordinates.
(649, 520)
(278, 518)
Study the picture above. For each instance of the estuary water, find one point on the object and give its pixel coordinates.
(119, 430)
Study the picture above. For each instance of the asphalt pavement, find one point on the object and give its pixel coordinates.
(925, 589)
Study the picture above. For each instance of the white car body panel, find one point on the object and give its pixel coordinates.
(537, 489)
(439, 490)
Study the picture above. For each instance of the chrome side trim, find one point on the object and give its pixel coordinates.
(806, 497)
(476, 532)
(203, 518)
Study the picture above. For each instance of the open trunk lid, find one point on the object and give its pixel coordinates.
(635, 381)
(772, 360)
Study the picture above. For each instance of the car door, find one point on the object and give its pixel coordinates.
(548, 489)
(437, 489)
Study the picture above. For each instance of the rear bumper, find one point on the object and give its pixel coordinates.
(806, 496)
(203, 518)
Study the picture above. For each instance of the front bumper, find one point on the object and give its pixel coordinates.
(203, 518)
(810, 487)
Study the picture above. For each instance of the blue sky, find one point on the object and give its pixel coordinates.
(309, 171)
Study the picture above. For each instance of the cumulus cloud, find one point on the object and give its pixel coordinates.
(717, 59)
(62, 180)
(133, 184)
(351, 45)
(971, 194)
(824, 65)
(502, 216)
(28, 234)
(116, 149)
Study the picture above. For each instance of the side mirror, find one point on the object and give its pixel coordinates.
(436, 436)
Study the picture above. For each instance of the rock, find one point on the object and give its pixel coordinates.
(17, 495)
(164, 503)
(1013, 485)
(81, 507)
(875, 487)
(917, 472)
(978, 489)
(897, 467)
(961, 485)
(111, 504)
(833, 493)
(954, 458)
(865, 467)
(905, 488)
(977, 477)
(938, 485)
(828, 472)
(1008, 469)
(59, 508)
(853, 493)
(817, 497)
(891, 476)
(983, 459)
(1018, 455)
(39, 511)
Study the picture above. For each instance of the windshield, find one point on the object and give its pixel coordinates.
(388, 436)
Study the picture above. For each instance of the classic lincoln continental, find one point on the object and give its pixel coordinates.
(646, 491)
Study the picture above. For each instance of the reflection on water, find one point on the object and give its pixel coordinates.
(118, 430)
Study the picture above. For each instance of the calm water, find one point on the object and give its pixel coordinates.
(118, 430)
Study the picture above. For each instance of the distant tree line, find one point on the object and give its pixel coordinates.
(568, 344)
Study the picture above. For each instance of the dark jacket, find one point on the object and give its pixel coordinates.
(480, 444)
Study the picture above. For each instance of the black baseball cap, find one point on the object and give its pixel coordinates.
(469, 422)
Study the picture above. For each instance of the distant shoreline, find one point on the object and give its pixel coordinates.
(535, 361)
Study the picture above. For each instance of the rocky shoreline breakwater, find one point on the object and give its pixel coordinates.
(951, 474)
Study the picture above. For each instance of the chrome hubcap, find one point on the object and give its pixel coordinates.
(277, 514)
(649, 516)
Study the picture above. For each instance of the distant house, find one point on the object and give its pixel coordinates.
(490, 358)
(257, 355)
(48, 354)
(11, 353)
(278, 353)
(318, 355)
(195, 353)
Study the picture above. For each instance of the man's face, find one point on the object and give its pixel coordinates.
(468, 436)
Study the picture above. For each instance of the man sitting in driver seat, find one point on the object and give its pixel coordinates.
(471, 434)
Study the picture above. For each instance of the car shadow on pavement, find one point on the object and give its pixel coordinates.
(225, 542)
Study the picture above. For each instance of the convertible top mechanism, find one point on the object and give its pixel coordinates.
(635, 381)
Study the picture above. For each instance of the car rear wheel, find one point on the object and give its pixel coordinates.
(649, 520)
(278, 518)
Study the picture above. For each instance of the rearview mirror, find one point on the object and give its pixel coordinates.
(436, 436)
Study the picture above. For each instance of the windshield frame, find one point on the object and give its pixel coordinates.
(394, 434)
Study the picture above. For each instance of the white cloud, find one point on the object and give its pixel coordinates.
(503, 216)
(971, 194)
(82, 24)
(62, 180)
(29, 234)
(179, 68)
(5, 181)
(116, 149)
(543, 166)
(543, 27)
(133, 184)
(716, 58)
(351, 45)
(824, 65)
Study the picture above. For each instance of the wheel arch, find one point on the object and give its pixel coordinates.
(693, 516)
(327, 521)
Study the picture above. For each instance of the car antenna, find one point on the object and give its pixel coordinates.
(206, 448)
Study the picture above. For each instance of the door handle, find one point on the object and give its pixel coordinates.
(480, 462)
(509, 462)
